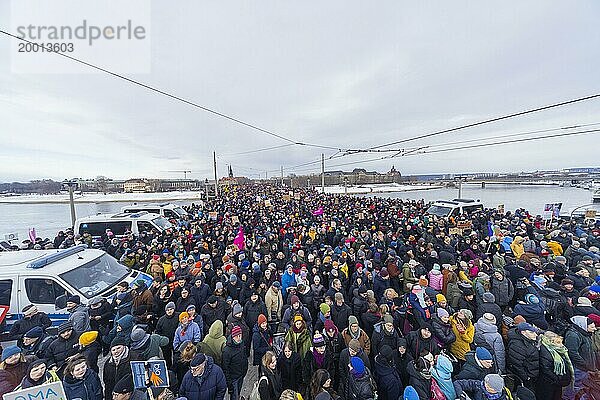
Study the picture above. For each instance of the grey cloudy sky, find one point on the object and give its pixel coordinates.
(339, 73)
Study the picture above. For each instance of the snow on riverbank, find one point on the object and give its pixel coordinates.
(389, 188)
(102, 198)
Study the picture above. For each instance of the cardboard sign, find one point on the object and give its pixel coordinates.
(286, 197)
(49, 391)
(267, 203)
(149, 374)
(235, 219)
(590, 214)
(554, 209)
(501, 208)
(454, 231)
(212, 215)
(464, 225)
(297, 196)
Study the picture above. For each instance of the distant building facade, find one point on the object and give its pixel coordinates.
(358, 176)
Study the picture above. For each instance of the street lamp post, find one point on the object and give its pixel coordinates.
(345, 185)
(206, 188)
(71, 185)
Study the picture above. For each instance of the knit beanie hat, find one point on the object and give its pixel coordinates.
(354, 345)
(318, 341)
(261, 319)
(495, 382)
(387, 318)
(352, 320)
(183, 315)
(440, 298)
(118, 341)
(489, 318)
(410, 394)
(483, 354)
(330, 325)
(236, 330)
(34, 333)
(489, 297)
(324, 307)
(9, 352)
(197, 360)
(65, 326)
(442, 313)
(387, 353)
(88, 338)
(237, 308)
(170, 306)
(358, 366)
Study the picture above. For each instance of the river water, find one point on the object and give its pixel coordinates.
(48, 219)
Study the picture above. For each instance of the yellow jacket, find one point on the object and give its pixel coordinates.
(462, 344)
(517, 247)
(556, 248)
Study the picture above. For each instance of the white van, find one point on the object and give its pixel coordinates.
(96, 225)
(46, 278)
(452, 208)
(167, 210)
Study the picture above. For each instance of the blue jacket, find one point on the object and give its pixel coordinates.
(192, 333)
(88, 388)
(210, 386)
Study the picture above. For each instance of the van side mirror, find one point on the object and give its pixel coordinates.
(60, 302)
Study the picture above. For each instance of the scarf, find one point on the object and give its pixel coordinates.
(117, 360)
(488, 395)
(357, 334)
(560, 356)
(319, 358)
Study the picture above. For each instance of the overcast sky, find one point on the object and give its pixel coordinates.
(348, 74)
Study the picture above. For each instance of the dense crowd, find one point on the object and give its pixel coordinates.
(331, 297)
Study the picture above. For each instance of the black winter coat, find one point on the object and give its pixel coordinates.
(112, 373)
(523, 357)
(416, 344)
(58, 351)
(472, 370)
(166, 326)
(291, 371)
(340, 314)
(442, 331)
(547, 375)
(210, 386)
(581, 352)
(88, 388)
(261, 343)
(388, 381)
(417, 381)
(309, 365)
(359, 388)
(235, 361)
(252, 310)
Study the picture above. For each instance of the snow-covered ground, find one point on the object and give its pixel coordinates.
(387, 188)
(103, 198)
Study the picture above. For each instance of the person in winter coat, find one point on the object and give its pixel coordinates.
(317, 358)
(145, 345)
(35, 342)
(523, 354)
(79, 315)
(579, 344)
(353, 350)
(236, 318)
(37, 374)
(386, 375)
(13, 368)
(289, 365)
(32, 317)
(486, 335)
(488, 305)
(420, 377)
(188, 330)
(354, 331)
(421, 340)
(442, 329)
(321, 386)
(299, 336)
(359, 381)
(274, 302)
(556, 369)
(464, 331)
(122, 328)
(492, 387)
(253, 308)
(204, 381)
(215, 309)
(235, 363)
(340, 312)
(142, 296)
(81, 382)
(269, 384)
(65, 345)
(502, 288)
(441, 373)
(477, 365)
(532, 310)
(262, 339)
(116, 367)
(213, 343)
(90, 348)
(384, 333)
(436, 279)
(167, 326)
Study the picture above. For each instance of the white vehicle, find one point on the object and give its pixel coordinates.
(167, 210)
(46, 278)
(96, 225)
(448, 208)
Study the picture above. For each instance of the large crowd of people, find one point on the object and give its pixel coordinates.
(330, 297)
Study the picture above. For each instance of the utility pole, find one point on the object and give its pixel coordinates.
(282, 176)
(216, 181)
(322, 173)
(71, 186)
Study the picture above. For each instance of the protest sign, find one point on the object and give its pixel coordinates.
(48, 391)
(149, 374)
(212, 215)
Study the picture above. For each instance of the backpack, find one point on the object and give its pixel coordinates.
(254, 394)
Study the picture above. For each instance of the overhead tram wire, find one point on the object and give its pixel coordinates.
(175, 97)
(471, 125)
(468, 147)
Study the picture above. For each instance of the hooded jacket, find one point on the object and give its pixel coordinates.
(473, 370)
(442, 331)
(523, 356)
(210, 386)
(488, 333)
(213, 343)
(387, 378)
(533, 313)
(88, 388)
(579, 343)
(442, 373)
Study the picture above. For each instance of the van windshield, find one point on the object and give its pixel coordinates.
(96, 276)
(180, 211)
(162, 223)
(439, 211)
